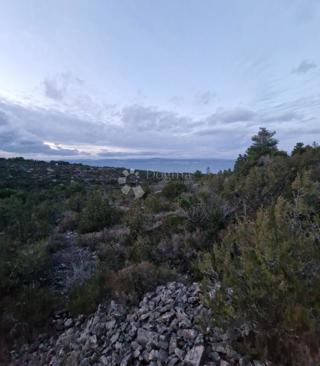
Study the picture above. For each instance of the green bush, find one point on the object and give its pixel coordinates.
(272, 266)
(32, 264)
(206, 211)
(26, 220)
(173, 189)
(97, 214)
(7, 192)
(25, 313)
(198, 174)
(85, 299)
(156, 204)
(56, 242)
(22, 265)
(34, 305)
(142, 249)
(77, 202)
(136, 220)
(173, 223)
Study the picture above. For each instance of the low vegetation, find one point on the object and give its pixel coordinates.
(251, 234)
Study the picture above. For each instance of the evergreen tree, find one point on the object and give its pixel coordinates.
(263, 144)
(299, 148)
(263, 148)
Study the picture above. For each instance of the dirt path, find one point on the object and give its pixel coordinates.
(72, 265)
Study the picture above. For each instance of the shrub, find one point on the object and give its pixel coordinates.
(206, 211)
(198, 174)
(273, 268)
(56, 242)
(97, 214)
(260, 186)
(21, 266)
(84, 299)
(173, 223)
(34, 305)
(7, 192)
(90, 240)
(181, 250)
(27, 220)
(68, 222)
(142, 249)
(32, 264)
(113, 255)
(155, 204)
(25, 303)
(173, 189)
(136, 220)
(77, 202)
(132, 282)
(25, 313)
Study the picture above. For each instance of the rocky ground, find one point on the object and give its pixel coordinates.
(164, 329)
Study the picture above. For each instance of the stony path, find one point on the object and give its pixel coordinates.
(72, 265)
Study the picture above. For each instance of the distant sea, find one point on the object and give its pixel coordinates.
(164, 165)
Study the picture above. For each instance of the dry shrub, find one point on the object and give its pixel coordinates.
(69, 222)
(90, 240)
(181, 250)
(132, 282)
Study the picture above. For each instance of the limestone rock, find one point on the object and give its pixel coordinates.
(161, 330)
(195, 356)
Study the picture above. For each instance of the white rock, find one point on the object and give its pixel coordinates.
(194, 356)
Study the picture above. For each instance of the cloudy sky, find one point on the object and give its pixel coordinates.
(160, 78)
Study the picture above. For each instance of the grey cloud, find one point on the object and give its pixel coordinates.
(109, 154)
(299, 131)
(148, 118)
(176, 101)
(284, 117)
(17, 140)
(231, 116)
(56, 88)
(204, 98)
(304, 67)
(237, 115)
(143, 130)
(3, 119)
(147, 130)
(52, 125)
(213, 132)
(309, 104)
(24, 130)
(52, 90)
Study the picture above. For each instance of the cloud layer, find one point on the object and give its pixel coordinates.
(144, 131)
(304, 67)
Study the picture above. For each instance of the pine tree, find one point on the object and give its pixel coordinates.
(263, 144)
(263, 148)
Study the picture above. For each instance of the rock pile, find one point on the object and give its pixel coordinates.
(165, 329)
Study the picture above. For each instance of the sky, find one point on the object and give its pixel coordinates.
(170, 78)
